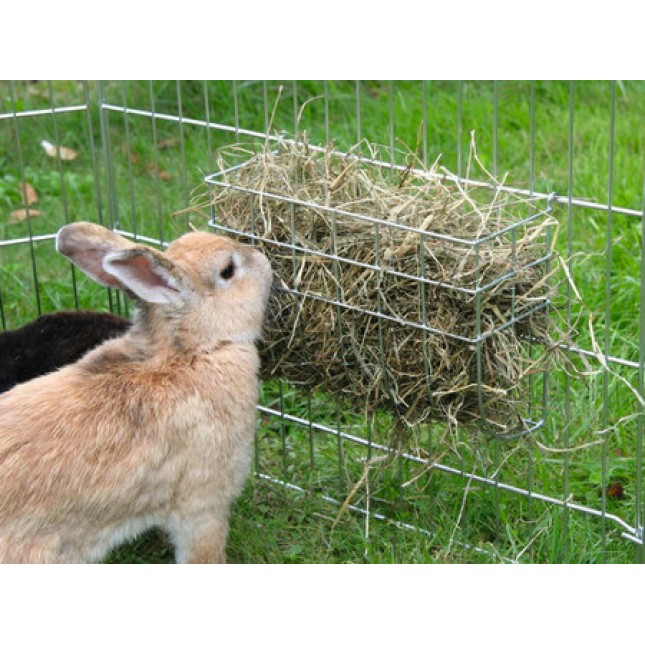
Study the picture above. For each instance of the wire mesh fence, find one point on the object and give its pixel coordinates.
(567, 486)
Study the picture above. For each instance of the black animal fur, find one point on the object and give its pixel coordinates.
(52, 341)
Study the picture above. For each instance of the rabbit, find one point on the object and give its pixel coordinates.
(154, 428)
(52, 341)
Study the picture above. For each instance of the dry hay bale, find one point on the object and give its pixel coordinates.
(382, 281)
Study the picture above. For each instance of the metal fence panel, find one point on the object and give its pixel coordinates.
(583, 470)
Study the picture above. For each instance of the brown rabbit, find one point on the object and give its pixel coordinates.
(154, 428)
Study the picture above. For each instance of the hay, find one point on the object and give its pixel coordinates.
(385, 298)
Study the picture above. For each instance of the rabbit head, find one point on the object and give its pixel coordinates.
(212, 288)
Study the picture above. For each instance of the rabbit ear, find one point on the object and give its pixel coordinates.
(86, 245)
(149, 274)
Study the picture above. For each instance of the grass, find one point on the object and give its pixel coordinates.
(155, 169)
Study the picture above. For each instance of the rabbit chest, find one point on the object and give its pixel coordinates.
(209, 437)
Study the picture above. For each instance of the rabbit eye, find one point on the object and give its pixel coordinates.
(228, 272)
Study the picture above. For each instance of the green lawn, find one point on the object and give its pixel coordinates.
(137, 172)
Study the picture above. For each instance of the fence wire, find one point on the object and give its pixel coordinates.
(143, 153)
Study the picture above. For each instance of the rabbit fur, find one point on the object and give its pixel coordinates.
(52, 341)
(154, 428)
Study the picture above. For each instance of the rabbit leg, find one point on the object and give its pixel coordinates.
(201, 539)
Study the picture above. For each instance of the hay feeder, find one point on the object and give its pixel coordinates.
(407, 289)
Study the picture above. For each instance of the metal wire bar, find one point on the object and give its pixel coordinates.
(326, 111)
(182, 147)
(359, 134)
(548, 243)
(495, 127)
(128, 152)
(532, 377)
(639, 501)
(236, 114)
(479, 345)
(155, 153)
(296, 125)
(532, 137)
(114, 299)
(209, 141)
(282, 429)
(63, 185)
(257, 451)
(460, 168)
(51, 110)
(265, 106)
(339, 297)
(207, 114)
(615, 360)
(301, 330)
(427, 372)
(302, 340)
(93, 155)
(27, 240)
(569, 294)
(424, 112)
(109, 182)
(608, 265)
(390, 106)
(96, 175)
